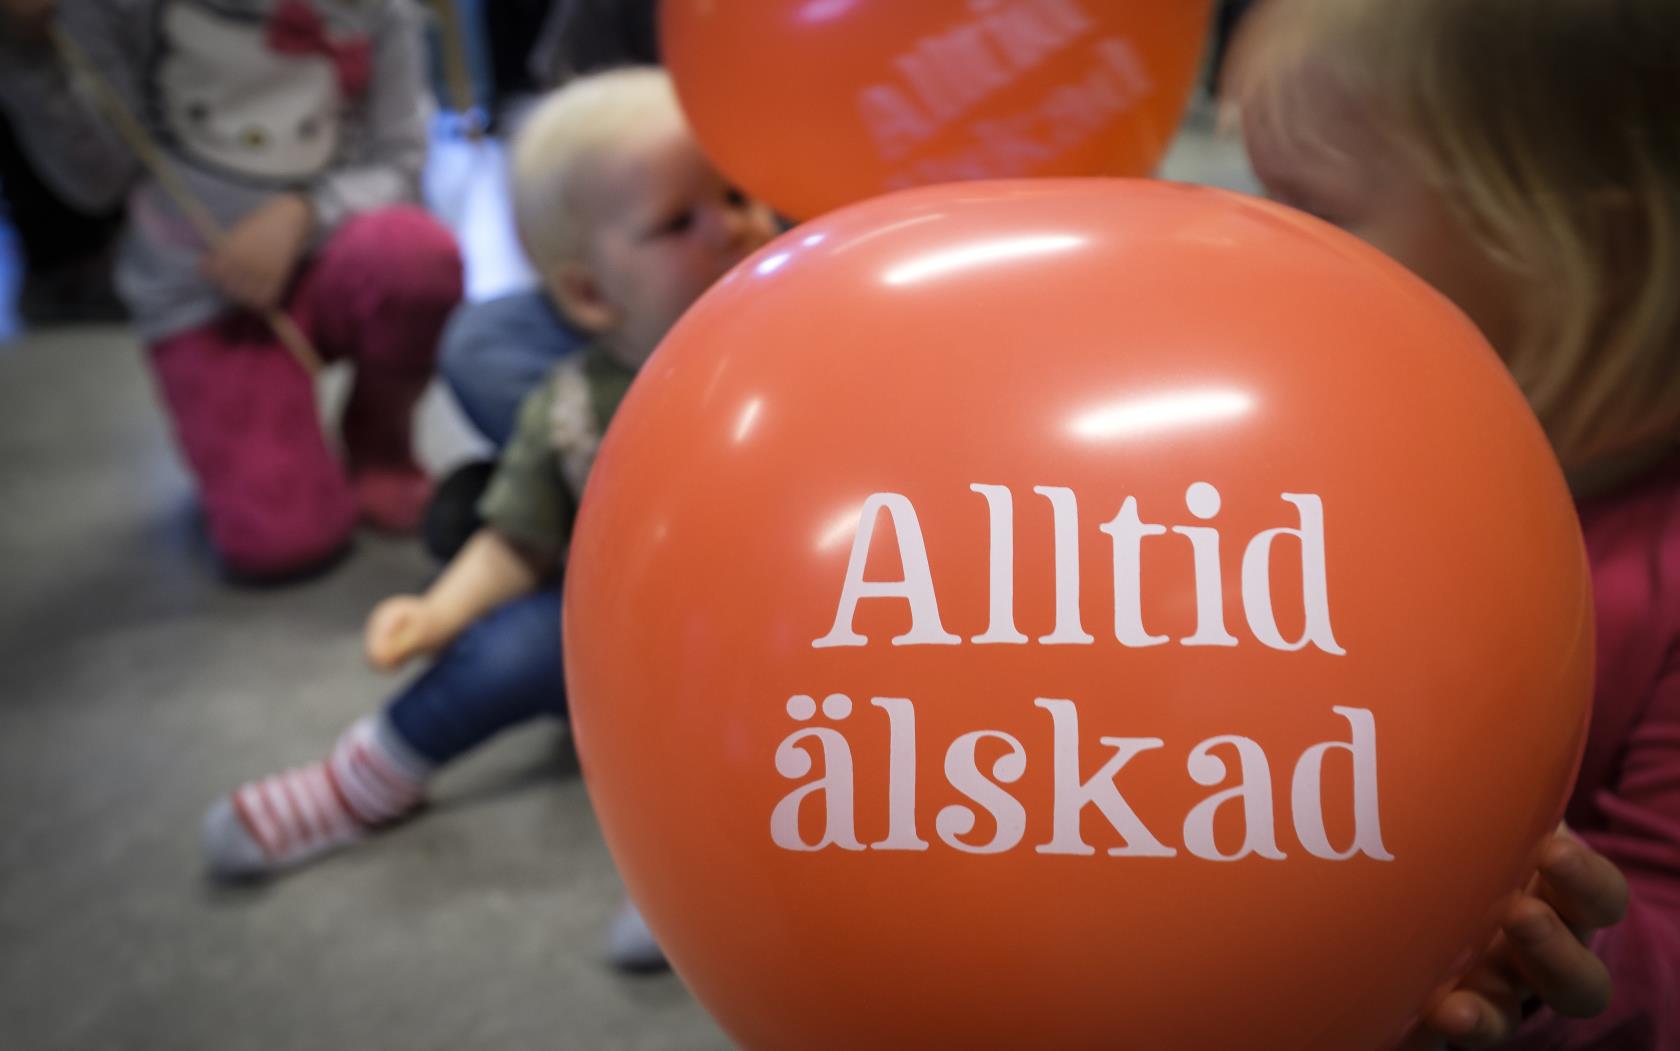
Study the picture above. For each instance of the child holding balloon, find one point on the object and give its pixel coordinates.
(627, 224)
(1525, 159)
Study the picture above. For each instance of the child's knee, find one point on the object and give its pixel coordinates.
(428, 264)
(516, 646)
(411, 255)
(394, 277)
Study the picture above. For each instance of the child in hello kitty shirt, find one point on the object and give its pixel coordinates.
(300, 125)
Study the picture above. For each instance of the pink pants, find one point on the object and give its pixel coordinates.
(276, 496)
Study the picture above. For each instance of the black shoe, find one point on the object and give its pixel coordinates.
(452, 518)
(77, 293)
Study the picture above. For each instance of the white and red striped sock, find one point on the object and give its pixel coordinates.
(371, 778)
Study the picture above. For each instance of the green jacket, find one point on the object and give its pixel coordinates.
(533, 497)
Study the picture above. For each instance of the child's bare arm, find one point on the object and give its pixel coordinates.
(254, 261)
(489, 571)
(529, 515)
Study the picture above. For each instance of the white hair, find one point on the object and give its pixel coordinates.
(576, 125)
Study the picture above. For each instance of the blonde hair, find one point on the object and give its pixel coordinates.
(565, 134)
(1552, 128)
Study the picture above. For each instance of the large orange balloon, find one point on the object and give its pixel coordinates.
(1075, 614)
(811, 104)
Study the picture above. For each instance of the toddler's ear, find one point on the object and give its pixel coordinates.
(579, 296)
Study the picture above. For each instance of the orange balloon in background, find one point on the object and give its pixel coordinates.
(812, 104)
(1075, 614)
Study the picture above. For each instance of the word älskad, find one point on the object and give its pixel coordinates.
(834, 789)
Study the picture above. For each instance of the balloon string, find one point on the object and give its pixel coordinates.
(168, 177)
(456, 71)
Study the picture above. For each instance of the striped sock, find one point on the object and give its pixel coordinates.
(371, 778)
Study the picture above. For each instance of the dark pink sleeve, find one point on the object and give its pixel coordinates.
(1641, 834)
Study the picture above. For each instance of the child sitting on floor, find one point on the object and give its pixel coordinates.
(627, 224)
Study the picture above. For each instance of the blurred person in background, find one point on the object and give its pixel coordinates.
(301, 128)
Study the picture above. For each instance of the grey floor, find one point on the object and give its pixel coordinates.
(135, 685)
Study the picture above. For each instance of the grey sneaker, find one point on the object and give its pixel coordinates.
(630, 945)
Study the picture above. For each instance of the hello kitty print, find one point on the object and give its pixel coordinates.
(257, 90)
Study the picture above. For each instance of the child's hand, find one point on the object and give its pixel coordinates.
(399, 628)
(1540, 952)
(254, 261)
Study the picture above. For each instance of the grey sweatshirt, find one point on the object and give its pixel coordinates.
(249, 98)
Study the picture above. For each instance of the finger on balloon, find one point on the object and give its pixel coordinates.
(1586, 889)
(1554, 963)
(1470, 1020)
(1495, 979)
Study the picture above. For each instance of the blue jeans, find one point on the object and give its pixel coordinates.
(496, 352)
(502, 671)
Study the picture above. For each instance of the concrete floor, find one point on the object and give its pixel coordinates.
(135, 685)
